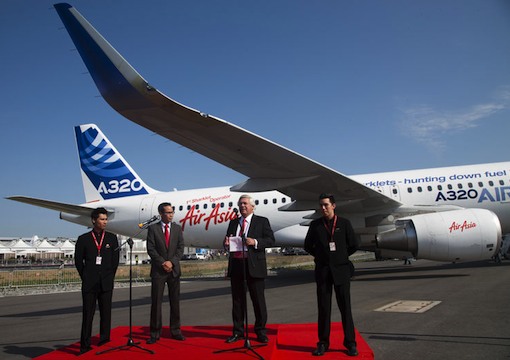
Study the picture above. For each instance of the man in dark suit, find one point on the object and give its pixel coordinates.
(96, 258)
(165, 246)
(257, 233)
(331, 240)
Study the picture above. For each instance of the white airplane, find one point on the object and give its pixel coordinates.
(447, 214)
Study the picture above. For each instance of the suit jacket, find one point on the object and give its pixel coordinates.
(85, 256)
(157, 250)
(317, 244)
(260, 229)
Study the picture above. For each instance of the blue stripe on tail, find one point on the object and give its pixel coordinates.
(105, 167)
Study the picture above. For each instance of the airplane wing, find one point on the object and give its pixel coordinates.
(267, 165)
(54, 205)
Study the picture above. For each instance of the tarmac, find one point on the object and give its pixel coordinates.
(437, 310)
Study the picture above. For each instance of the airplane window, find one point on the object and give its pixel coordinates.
(274, 201)
(180, 208)
(491, 183)
(450, 186)
(230, 204)
(265, 201)
(213, 205)
(284, 200)
(419, 189)
(480, 184)
(501, 182)
(470, 185)
(256, 202)
(429, 188)
(409, 190)
(459, 186)
(205, 206)
(197, 206)
(439, 187)
(395, 191)
(222, 205)
(189, 207)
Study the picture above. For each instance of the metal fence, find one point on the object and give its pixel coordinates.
(62, 276)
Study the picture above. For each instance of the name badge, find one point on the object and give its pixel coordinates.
(98, 260)
(332, 246)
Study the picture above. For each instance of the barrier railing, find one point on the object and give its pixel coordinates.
(13, 278)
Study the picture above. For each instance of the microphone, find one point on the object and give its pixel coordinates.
(243, 237)
(151, 220)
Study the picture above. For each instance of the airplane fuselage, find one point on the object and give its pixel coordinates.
(205, 213)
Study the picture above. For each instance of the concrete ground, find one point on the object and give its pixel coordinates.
(470, 320)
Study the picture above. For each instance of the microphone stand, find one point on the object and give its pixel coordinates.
(130, 342)
(247, 344)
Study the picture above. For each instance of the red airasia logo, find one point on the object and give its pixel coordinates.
(195, 217)
(461, 227)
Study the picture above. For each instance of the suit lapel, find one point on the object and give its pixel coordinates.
(253, 224)
(160, 235)
(173, 238)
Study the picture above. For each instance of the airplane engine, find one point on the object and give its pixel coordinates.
(468, 234)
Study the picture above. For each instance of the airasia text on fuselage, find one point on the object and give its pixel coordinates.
(196, 217)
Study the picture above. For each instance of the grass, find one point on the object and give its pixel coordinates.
(41, 276)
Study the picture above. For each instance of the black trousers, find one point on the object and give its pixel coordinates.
(104, 300)
(256, 288)
(174, 293)
(325, 285)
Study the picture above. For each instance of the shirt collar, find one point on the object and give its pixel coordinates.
(248, 218)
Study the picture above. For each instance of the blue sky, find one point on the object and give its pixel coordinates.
(360, 86)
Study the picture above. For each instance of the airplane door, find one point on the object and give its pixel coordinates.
(146, 208)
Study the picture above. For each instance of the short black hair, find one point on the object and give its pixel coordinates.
(95, 213)
(331, 197)
(161, 207)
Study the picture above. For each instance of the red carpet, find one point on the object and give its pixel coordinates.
(289, 341)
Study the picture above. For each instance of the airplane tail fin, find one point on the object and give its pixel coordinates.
(105, 173)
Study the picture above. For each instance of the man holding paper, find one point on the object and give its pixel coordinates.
(255, 234)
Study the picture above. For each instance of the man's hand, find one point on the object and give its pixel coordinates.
(168, 266)
(250, 241)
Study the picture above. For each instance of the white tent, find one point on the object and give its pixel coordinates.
(5, 250)
(67, 247)
(45, 246)
(20, 247)
(47, 251)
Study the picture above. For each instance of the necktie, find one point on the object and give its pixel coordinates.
(239, 254)
(167, 235)
(243, 227)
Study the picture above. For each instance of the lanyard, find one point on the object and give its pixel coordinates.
(332, 231)
(100, 244)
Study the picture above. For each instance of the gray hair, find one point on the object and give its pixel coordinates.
(246, 196)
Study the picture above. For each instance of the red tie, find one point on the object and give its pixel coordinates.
(243, 226)
(167, 235)
(239, 254)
